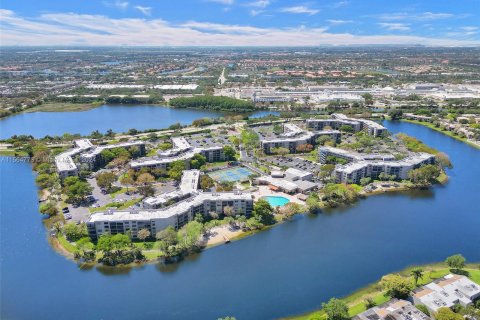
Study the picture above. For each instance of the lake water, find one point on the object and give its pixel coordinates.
(119, 118)
(287, 270)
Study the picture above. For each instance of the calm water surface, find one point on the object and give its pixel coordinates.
(288, 270)
(119, 118)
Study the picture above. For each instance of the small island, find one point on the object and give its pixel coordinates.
(157, 196)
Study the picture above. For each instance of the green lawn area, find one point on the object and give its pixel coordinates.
(65, 243)
(12, 152)
(355, 301)
(446, 132)
(63, 107)
(118, 205)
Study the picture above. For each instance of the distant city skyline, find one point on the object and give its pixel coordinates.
(239, 23)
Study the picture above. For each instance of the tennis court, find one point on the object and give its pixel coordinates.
(231, 174)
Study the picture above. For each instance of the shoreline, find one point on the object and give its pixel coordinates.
(232, 236)
(355, 299)
(80, 107)
(445, 132)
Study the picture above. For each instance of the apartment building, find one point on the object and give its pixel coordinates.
(188, 186)
(293, 136)
(447, 292)
(350, 156)
(182, 150)
(64, 161)
(394, 309)
(338, 120)
(115, 221)
(93, 158)
(354, 171)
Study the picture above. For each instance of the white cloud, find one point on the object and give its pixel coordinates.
(62, 29)
(300, 9)
(395, 26)
(340, 4)
(254, 12)
(259, 4)
(145, 10)
(338, 22)
(470, 29)
(425, 16)
(122, 5)
(225, 2)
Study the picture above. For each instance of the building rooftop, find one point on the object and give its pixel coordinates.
(393, 310)
(166, 212)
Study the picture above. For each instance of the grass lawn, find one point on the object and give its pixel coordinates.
(446, 132)
(355, 301)
(63, 107)
(123, 205)
(65, 243)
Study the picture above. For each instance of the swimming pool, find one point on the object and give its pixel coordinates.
(276, 201)
(231, 174)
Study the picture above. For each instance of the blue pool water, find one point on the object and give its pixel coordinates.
(276, 201)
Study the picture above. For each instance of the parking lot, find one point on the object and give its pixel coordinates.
(295, 162)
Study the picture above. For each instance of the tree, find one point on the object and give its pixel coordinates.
(146, 190)
(395, 114)
(230, 154)
(396, 286)
(176, 169)
(127, 181)
(336, 309)
(304, 148)
(445, 313)
(365, 180)
(443, 160)
(145, 178)
(423, 308)
(323, 139)
(424, 175)
(74, 232)
(49, 208)
(263, 212)
(197, 161)
(456, 262)
(206, 182)
(313, 202)
(45, 180)
(105, 180)
(167, 235)
(143, 234)
(346, 128)
(369, 303)
(417, 273)
(76, 189)
(249, 138)
(281, 151)
(229, 211)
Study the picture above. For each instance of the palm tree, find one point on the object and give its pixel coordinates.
(417, 273)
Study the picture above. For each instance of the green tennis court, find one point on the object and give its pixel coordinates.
(231, 174)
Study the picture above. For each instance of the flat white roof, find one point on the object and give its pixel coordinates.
(167, 212)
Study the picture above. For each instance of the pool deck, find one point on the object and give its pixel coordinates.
(264, 191)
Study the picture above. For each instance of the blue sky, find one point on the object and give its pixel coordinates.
(239, 22)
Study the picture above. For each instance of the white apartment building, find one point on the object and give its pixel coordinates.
(354, 171)
(182, 150)
(64, 161)
(394, 309)
(446, 292)
(188, 186)
(115, 221)
(93, 157)
(293, 136)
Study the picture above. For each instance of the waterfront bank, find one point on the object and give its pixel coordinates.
(321, 250)
(445, 132)
(374, 291)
